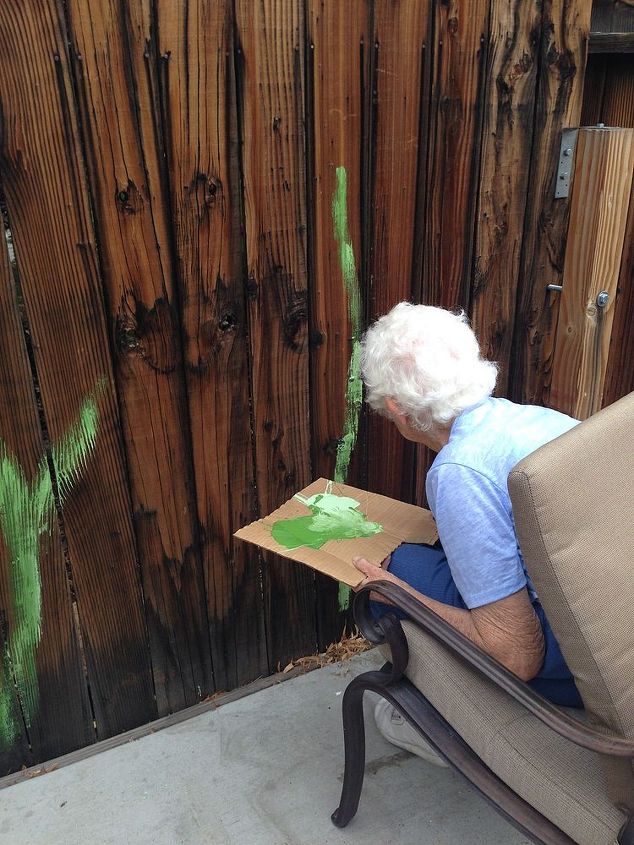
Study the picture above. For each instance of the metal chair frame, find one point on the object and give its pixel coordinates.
(391, 683)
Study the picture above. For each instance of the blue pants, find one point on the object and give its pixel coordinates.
(425, 568)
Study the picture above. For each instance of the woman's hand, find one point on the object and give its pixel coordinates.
(372, 572)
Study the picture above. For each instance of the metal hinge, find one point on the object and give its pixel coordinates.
(566, 159)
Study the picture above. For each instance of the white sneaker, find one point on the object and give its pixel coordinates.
(397, 730)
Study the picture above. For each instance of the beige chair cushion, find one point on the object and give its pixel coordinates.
(564, 782)
(572, 502)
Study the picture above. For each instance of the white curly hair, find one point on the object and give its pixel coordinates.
(428, 361)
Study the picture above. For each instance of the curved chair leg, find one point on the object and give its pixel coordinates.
(354, 745)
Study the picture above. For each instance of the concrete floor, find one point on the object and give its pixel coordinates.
(263, 770)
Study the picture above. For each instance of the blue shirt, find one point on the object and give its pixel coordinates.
(468, 494)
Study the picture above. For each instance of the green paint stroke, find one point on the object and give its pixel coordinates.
(27, 511)
(331, 517)
(354, 390)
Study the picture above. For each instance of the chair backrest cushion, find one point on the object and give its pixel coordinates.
(573, 503)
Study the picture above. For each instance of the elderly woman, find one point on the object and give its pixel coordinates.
(423, 370)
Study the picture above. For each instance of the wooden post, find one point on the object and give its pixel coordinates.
(599, 205)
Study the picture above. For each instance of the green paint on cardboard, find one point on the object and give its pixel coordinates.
(27, 511)
(331, 517)
(354, 390)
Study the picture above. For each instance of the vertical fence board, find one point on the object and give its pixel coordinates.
(506, 144)
(604, 165)
(124, 169)
(558, 100)
(618, 110)
(271, 34)
(61, 720)
(460, 30)
(338, 34)
(400, 31)
(196, 53)
(50, 217)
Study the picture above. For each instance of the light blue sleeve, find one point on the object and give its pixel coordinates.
(475, 526)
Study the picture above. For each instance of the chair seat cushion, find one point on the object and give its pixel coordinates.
(563, 782)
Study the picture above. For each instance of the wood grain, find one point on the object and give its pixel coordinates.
(455, 124)
(272, 120)
(509, 97)
(337, 67)
(401, 33)
(619, 378)
(62, 719)
(618, 110)
(131, 213)
(611, 43)
(617, 107)
(47, 200)
(195, 52)
(610, 16)
(604, 167)
(562, 58)
(593, 90)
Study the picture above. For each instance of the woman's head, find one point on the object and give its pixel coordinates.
(426, 360)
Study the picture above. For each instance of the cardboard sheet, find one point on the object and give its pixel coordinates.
(401, 523)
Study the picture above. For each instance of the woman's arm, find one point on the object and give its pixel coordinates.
(508, 629)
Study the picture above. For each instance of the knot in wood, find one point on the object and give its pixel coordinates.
(129, 199)
(205, 191)
(252, 288)
(316, 338)
(227, 322)
(214, 187)
(149, 334)
(126, 338)
(294, 320)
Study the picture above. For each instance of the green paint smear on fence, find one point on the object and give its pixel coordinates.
(27, 511)
(354, 390)
(332, 518)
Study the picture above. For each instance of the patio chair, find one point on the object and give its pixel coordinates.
(558, 775)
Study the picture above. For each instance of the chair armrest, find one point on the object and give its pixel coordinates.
(587, 736)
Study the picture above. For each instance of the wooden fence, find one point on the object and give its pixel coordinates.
(175, 326)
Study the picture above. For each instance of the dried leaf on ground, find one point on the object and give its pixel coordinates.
(346, 648)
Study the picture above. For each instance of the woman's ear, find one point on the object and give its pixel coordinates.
(394, 410)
